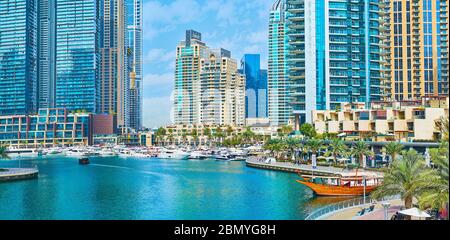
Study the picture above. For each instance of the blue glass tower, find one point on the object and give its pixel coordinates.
(77, 56)
(256, 87)
(333, 54)
(18, 57)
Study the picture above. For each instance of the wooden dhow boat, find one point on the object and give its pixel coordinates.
(341, 185)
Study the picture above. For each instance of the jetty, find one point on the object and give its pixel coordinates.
(11, 174)
(304, 169)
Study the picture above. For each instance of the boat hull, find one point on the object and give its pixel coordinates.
(328, 190)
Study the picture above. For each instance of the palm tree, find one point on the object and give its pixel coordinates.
(405, 178)
(443, 127)
(194, 135)
(248, 135)
(229, 131)
(285, 130)
(393, 149)
(207, 133)
(274, 146)
(2, 152)
(337, 147)
(292, 145)
(313, 146)
(435, 191)
(160, 133)
(361, 149)
(219, 135)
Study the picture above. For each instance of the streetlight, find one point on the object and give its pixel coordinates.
(386, 206)
(364, 182)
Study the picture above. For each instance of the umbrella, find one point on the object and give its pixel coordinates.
(415, 212)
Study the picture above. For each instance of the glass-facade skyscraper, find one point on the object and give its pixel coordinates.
(279, 109)
(18, 56)
(46, 47)
(256, 86)
(134, 51)
(77, 55)
(333, 54)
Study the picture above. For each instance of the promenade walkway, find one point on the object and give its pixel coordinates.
(376, 214)
(8, 174)
(308, 169)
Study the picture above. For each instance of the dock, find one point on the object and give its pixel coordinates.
(12, 174)
(304, 169)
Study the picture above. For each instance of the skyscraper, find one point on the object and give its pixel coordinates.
(256, 86)
(46, 50)
(208, 86)
(279, 109)
(134, 52)
(417, 48)
(114, 75)
(77, 55)
(333, 54)
(18, 53)
(222, 90)
(187, 78)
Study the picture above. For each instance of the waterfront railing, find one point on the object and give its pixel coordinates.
(321, 212)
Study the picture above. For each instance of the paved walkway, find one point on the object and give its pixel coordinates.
(377, 214)
(17, 172)
(288, 166)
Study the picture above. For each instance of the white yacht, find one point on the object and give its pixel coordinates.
(172, 154)
(23, 152)
(76, 152)
(106, 152)
(198, 155)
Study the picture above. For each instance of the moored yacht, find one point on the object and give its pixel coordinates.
(23, 152)
(172, 154)
(199, 155)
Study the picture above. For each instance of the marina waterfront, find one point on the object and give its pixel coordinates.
(151, 188)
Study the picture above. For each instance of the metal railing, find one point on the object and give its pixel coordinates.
(318, 213)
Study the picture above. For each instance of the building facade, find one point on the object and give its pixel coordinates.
(114, 72)
(417, 46)
(77, 55)
(18, 57)
(222, 90)
(404, 121)
(49, 127)
(256, 87)
(187, 78)
(134, 52)
(46, 50)
(279, 110)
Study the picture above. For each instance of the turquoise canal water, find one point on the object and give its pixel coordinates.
(130, 188)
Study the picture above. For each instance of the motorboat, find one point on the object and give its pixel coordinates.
(105, 152)
(199, 155)
(76, 152)
(83, 161)
(173, 154)
(23, 152)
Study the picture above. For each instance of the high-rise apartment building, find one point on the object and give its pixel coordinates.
(208, 86)
(416, 55)
(187, 78)
(222, 90)
(134, 52)
(46, 51)
(18, 56)
(279, 110)
(114, 72)
(256, 86)
(333, 54)
(77, 55)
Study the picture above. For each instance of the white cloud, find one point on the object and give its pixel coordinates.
(152, 80)
(157, 111)
(159, 55)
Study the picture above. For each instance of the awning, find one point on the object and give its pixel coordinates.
(415, 212)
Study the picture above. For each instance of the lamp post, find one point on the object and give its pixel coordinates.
(386, 206)
(364, 182)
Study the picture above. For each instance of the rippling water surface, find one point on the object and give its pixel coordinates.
(131, 188)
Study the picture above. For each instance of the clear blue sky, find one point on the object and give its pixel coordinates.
(240, 26)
